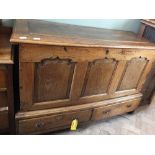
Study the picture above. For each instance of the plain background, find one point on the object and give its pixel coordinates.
(118, 24)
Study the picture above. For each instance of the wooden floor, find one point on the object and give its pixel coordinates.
(141, 122)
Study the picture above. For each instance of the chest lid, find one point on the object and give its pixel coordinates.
(51, 33)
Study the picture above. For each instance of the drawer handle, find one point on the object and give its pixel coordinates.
(40, 125)
(129, 105)
(106, 112)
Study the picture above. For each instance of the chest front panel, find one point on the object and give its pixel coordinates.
(53, 76)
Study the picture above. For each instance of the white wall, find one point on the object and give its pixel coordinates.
(119, 24)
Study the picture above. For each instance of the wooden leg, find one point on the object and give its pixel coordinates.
(131, 112)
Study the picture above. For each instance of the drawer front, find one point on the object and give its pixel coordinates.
(4, 124)
(113, 110)
(51, 123)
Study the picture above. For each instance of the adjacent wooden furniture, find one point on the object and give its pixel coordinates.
(71, 72)
(6, 82)
(147, 30)
(147, 25)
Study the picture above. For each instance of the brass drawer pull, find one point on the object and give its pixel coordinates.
(40, 124)
(129, 105)
(106, 112)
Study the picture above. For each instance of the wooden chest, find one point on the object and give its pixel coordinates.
(6, 82)
(70, 72)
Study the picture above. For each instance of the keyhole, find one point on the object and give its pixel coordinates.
(65, 49)
(107, 52)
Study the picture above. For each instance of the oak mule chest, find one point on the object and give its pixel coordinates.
(71, 72)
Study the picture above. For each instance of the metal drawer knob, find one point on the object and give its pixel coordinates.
(40, 124)
(129, 105)
(106, 112)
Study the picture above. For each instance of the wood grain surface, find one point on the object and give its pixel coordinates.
(50, 33)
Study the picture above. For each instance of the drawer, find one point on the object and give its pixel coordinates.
(50, 123)
(115, 109)
(3, 99)
(2, 77)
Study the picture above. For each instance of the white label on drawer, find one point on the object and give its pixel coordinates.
(36, 38)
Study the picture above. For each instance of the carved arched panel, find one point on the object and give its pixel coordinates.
(132, 74)
(53, 79)
(98, 77)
